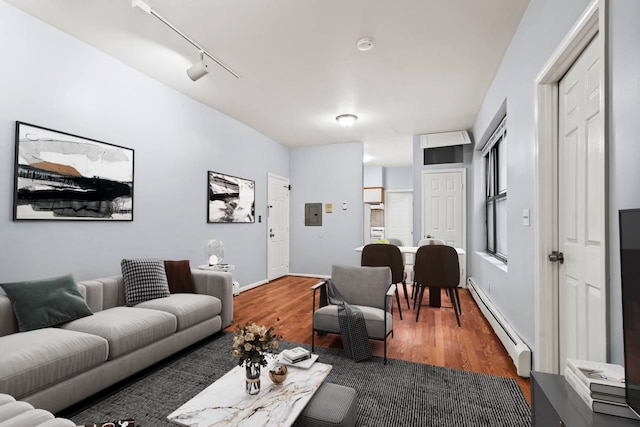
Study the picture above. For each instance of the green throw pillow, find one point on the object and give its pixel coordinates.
(42, 303)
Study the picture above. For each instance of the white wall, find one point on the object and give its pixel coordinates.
(326, 174)
(53, 80)
(543, 26)
(373, 176)
(398, 178)
(624, 152)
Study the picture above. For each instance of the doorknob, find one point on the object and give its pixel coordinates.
(271, 235)
(556, 256)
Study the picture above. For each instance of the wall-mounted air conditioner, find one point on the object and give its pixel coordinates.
(444, 139)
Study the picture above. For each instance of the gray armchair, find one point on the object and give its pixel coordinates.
(369, 289)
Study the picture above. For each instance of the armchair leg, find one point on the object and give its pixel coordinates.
(458, 299)
(398, 301)
(313, 340)
(385, 348)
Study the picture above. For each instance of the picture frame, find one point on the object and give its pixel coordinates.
(230, 199)
(60, 176)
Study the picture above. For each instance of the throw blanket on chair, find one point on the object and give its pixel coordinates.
(353, 330)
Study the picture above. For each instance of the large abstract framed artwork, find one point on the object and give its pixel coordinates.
(59, 176)
(230, 199)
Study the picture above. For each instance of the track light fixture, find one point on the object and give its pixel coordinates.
(199, 69)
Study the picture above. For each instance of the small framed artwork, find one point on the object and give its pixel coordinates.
(230, 199)
(59, 176)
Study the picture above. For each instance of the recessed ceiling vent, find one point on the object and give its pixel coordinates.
(365, 44)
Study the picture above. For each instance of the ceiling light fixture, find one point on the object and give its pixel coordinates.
(347, 120)
(146, 8)
(199, 69)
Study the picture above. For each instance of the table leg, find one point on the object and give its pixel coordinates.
(434, 297)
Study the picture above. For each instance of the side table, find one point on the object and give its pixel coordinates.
(225, 268)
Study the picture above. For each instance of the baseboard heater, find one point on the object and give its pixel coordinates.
(517, 349)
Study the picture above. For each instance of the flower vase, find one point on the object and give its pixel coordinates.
(253, 379)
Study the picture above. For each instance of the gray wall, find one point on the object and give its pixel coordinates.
(624, 149)
(53, 80)
(544, 25)
(373, 176)
(398, 178)
(326, 174)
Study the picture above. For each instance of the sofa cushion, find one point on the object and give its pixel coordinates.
(179, 276)
(43, 303)
(326, 319)
(189, 309)
(32, 418)
(126, 328)
(144, 279)
(13, 409)
(33, 360)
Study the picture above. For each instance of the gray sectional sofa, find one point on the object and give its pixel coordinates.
(53, 368)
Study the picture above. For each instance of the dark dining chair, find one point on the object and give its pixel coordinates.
(384, 255)
(437, 267)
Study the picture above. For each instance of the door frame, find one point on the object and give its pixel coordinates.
(591, 22)
(269, 255)
(463, 206)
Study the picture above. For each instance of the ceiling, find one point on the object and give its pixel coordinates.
(429, 70)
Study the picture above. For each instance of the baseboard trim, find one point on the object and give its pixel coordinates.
(515, 346)
(253, 285)
(264, 282)
(319, 276)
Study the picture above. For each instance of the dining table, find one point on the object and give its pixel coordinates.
(435, 299)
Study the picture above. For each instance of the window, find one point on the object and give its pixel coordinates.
(495, 161)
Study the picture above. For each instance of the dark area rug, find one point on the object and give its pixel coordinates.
(397, 394)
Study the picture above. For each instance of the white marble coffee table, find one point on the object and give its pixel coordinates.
(225, 402)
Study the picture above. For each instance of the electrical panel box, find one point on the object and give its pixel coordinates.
(313, 214)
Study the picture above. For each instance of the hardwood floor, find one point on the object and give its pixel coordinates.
(435, 339)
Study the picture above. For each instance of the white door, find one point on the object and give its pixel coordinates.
(581, 212)
(444, 205)
(398, 216)
(277, 227)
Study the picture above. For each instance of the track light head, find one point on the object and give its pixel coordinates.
(199, 69)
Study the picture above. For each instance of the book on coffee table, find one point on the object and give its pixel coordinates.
(305, 364)
(296, 355)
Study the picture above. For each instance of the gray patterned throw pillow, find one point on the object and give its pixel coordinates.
(144, 280)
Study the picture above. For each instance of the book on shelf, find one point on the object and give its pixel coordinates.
(598, 402)
(296, 355)
(580, 388)
(617, 409)
(586, 394)
(599, 377)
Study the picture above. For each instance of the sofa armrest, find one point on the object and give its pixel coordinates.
(219, 285)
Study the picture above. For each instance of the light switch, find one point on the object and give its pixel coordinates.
(328, 208)
(526, 220)
(344, 206)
